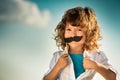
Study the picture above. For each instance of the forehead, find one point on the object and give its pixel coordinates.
(68, 25)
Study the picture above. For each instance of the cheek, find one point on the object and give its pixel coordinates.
(83, 39)
(67, 34)
(79, 33)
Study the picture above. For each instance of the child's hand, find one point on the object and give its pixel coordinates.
(89, 63)
(62, 61)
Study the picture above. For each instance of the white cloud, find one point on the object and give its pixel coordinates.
(23, 11)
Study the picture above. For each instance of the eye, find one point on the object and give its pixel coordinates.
(68, 29)
(79, 29)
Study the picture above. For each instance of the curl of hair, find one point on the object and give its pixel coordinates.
(85, 18)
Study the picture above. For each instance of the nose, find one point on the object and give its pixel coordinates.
(74, 33)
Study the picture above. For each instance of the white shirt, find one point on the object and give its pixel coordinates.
(68, 72)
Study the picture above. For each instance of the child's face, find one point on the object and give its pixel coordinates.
(71, 31)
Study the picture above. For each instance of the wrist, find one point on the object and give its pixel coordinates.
(57, 68)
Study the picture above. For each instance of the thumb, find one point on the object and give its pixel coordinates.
(86, 55)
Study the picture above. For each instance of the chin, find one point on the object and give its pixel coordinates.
(75, 44)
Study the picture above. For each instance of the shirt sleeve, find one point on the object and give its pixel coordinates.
(52, 63)
(104, 61)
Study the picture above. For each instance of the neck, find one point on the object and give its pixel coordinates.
(76, 50)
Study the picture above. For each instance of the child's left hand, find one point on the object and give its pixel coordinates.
(89, 63)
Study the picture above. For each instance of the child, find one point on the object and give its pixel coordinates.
(78, 34)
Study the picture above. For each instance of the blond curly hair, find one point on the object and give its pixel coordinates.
(84, 18)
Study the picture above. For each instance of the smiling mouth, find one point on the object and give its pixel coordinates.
(75, 38)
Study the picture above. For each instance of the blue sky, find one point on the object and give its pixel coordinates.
(27, 29)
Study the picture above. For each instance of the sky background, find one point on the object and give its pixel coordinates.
(27, 32)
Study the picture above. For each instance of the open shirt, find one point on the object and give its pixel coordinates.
(68, 72)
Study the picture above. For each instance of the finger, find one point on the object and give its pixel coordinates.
(86, 59)
(65, 55)
(66, 58)
(86, 56)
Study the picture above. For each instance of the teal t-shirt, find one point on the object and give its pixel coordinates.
(77, 60)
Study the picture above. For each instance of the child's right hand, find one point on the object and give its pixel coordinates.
(63, 61)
